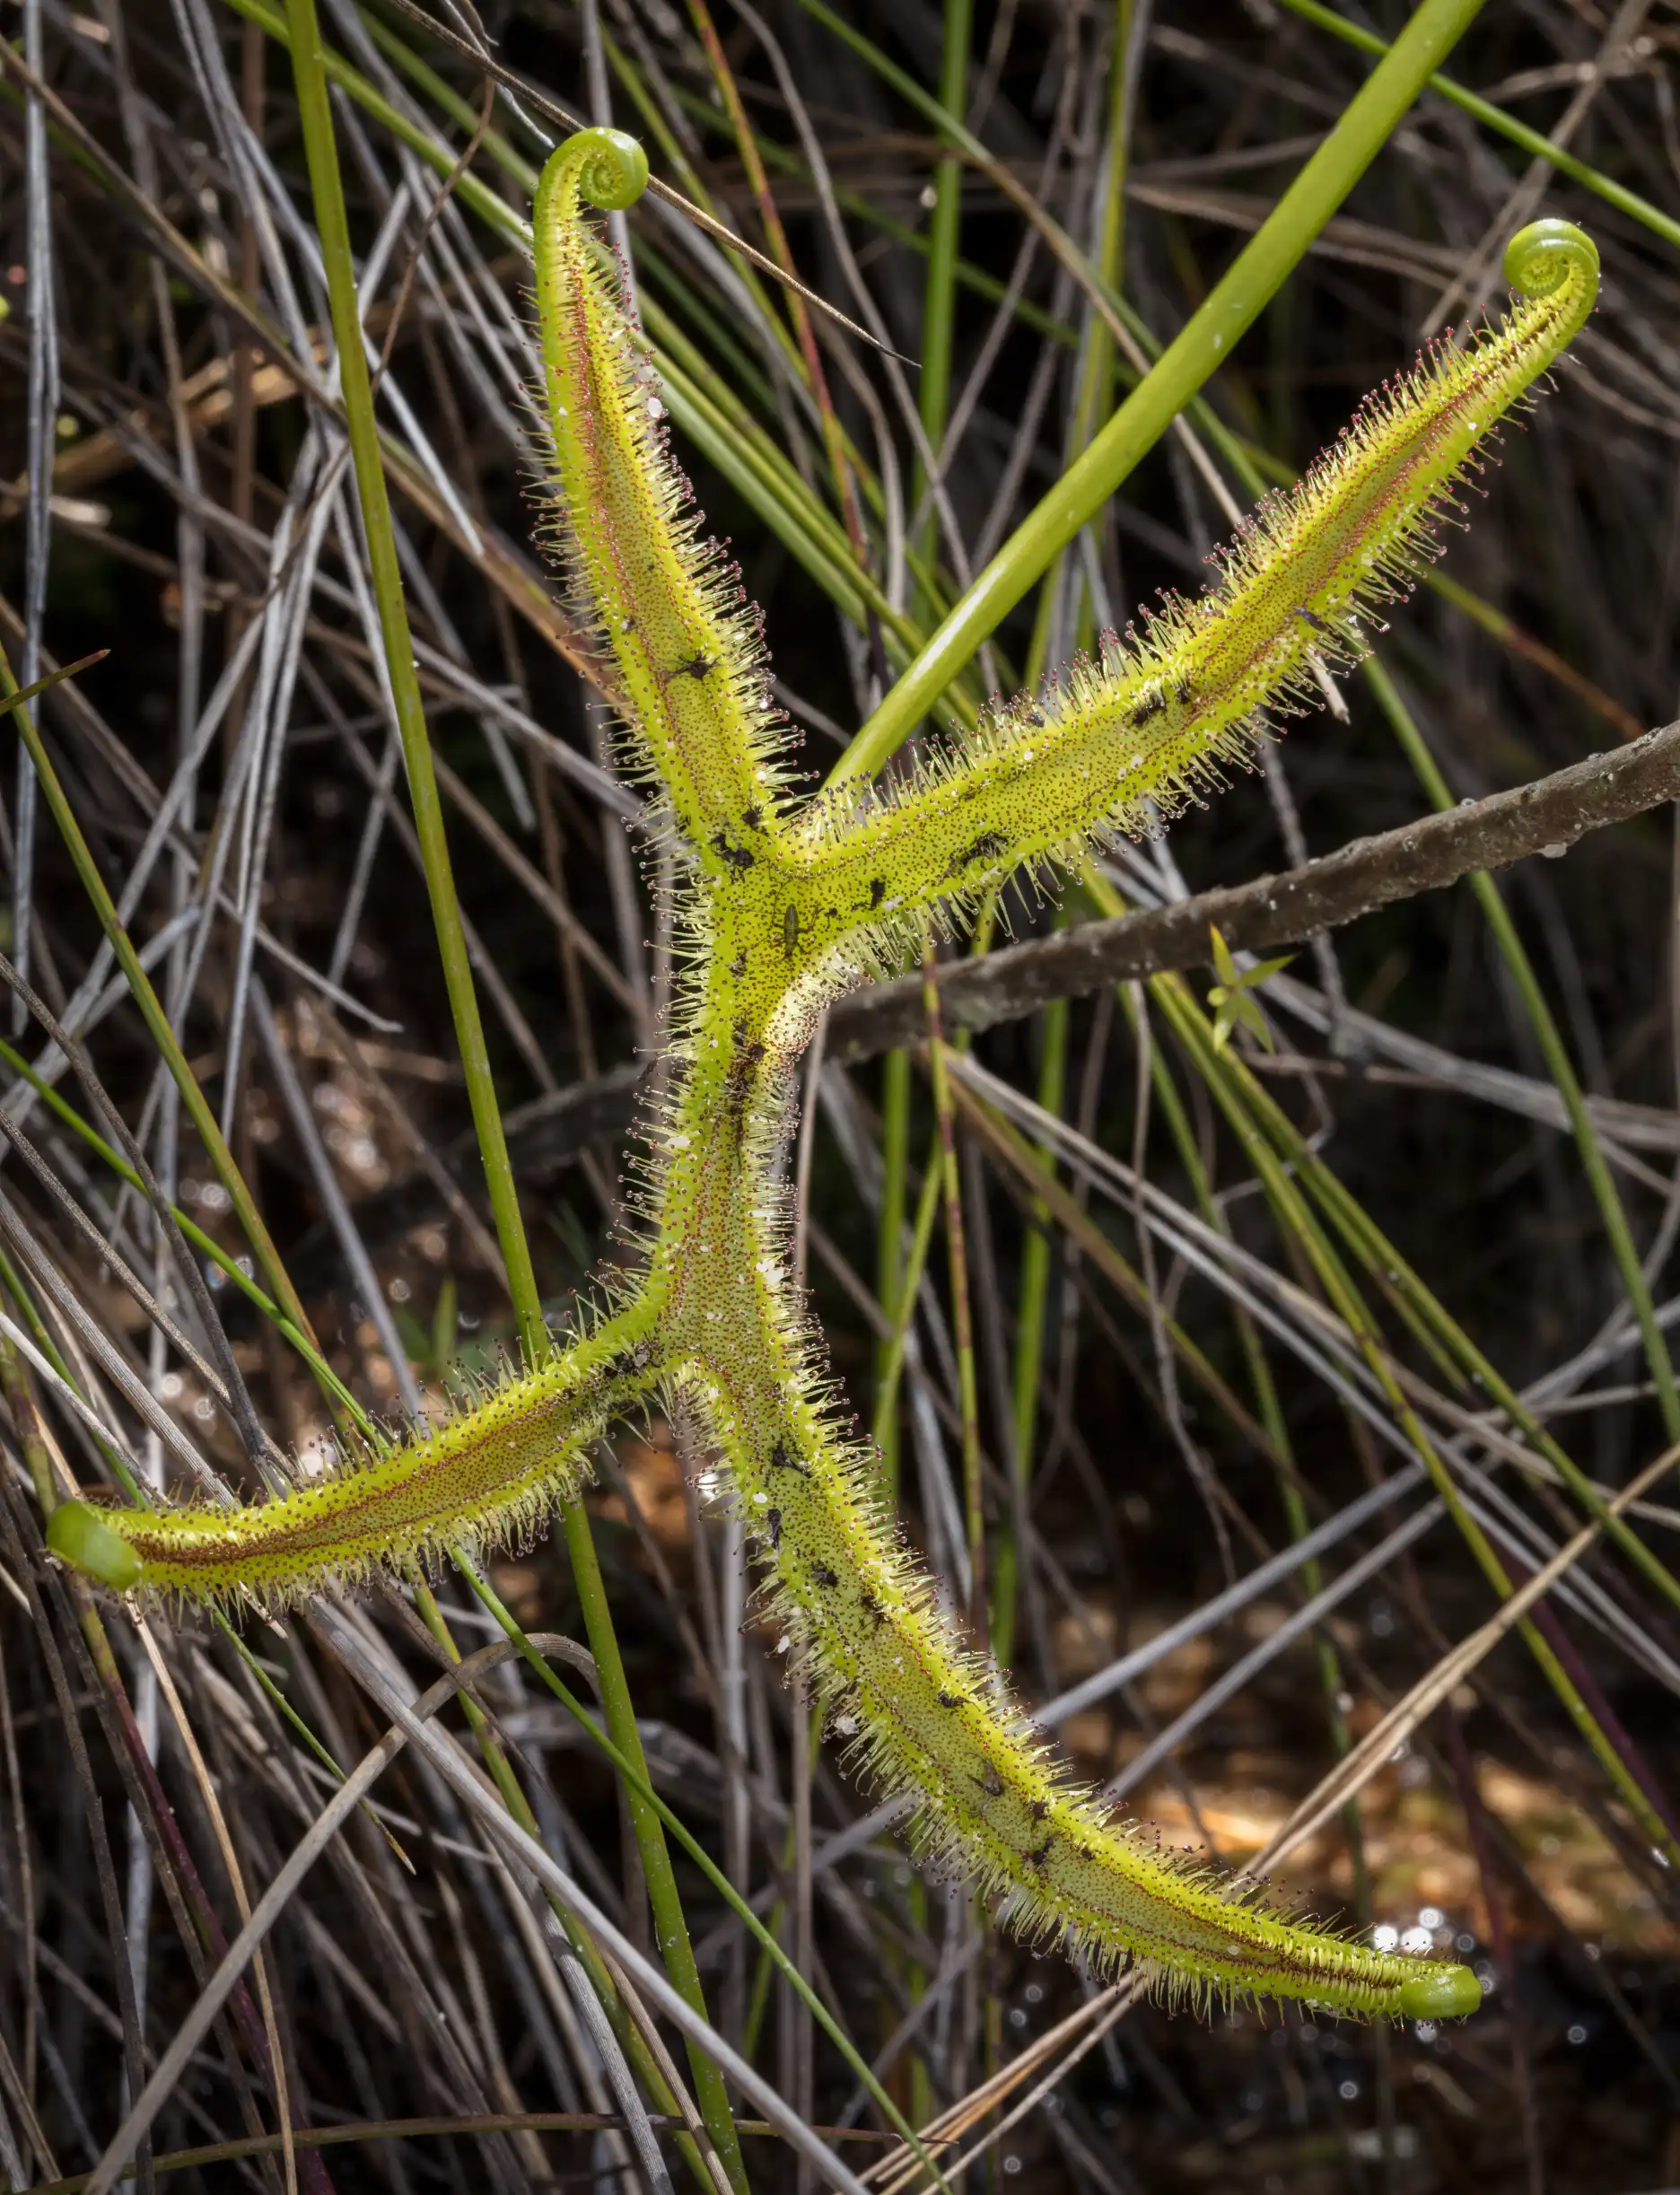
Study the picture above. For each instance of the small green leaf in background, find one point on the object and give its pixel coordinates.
(444, 1322)
(434, 1349)
(1232, 997)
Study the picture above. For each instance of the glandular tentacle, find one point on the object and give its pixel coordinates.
(788, 909)
(918, 1710)
(667, 605)
(1121, 741)
(492, 1470)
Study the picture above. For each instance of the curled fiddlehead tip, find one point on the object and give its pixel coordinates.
(611, 168)
(1546, 254)
(1443, 1992)
(77, 1534)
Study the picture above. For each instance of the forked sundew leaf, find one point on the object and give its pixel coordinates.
(784, 904)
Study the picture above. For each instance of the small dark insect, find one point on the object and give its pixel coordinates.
(772, 1526)
(1037, 1859)
(1185, 695)
(753, 816)
(1037, 719)
(783, 1459)
(1147, 711)
(1318, 624)
(1038, 1808)
(738, 857)
(872, 1608)
(692, 667)
(737, 966)
(790, 931)
(878, 890)
(824, 1576)
(987, 848)
(991, 1782)
(948, 1698)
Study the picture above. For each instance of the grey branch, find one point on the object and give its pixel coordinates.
(1271, 911)
(1551, 813)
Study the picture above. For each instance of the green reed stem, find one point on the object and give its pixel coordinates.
(1092, 401)
(933, 397)
(1495, 119)
(962, 1320)
(1096, 372)
(889, 1253)
(1287, 1203)
(1032, 1303)
(1559, 1065)
(903, 1309)
(939, 321)
(332, 225)
(944, 227)
(1204, 343)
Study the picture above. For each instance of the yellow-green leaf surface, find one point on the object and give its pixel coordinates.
(783, 902)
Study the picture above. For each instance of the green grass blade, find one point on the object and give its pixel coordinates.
(1531, 141)
(151, 1006)
(332, 223)
(1559, 1065)
(1205, 341)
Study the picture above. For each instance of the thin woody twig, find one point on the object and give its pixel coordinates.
(1546, 816)
(978, 992)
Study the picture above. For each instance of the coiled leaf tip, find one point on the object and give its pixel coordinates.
(786, 901)
(78, 1534)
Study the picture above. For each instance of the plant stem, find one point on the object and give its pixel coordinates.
(902, 1310)
(890, 1254)
(1532, 140)
(332, 223)
(1204, 343)
(962, 1320)
(1559, 1065)
(939, 305)
(1029, 1331)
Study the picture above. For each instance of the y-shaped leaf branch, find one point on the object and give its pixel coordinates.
(784, 904)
